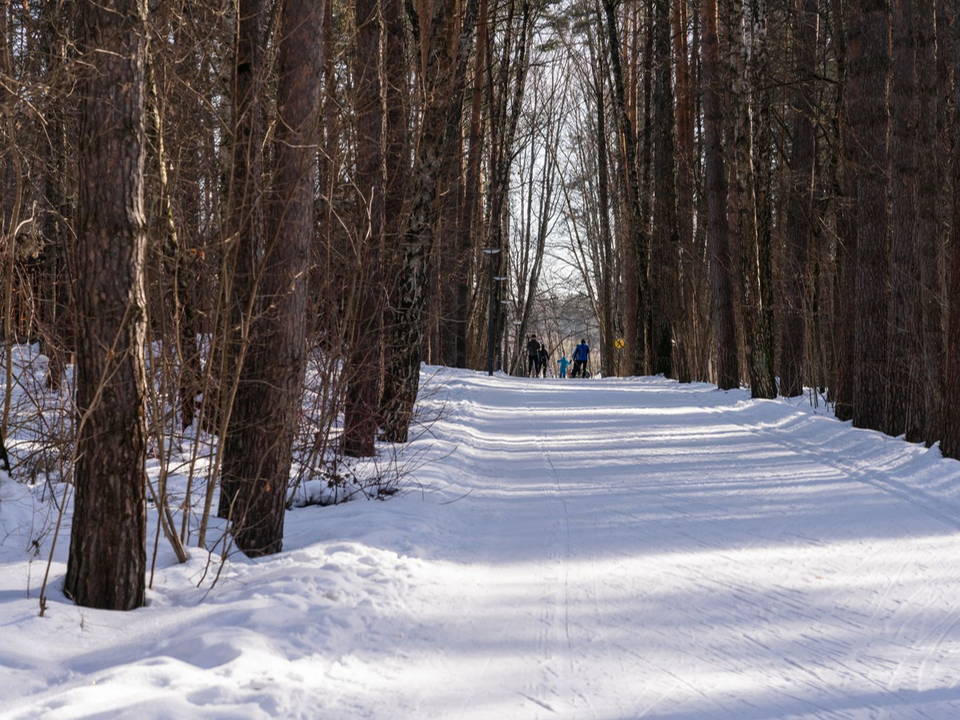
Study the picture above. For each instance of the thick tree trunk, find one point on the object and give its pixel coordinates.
(904, 403)
(728, 371)
(379, 170)
(259, 451)
(758, 345)
(471, 194)
(950, 440)
(635, 264)
(685, 207)
(800, 204)
(108, 539)
(665, 285)
(438, 134)
(931, 373)
(846, 222)
(637, 257)
(869, 67)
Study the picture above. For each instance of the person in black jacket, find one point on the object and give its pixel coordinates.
(4, 460)
(580, 357)
(533, 356)
(544, 360)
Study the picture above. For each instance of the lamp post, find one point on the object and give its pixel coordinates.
(491, 253)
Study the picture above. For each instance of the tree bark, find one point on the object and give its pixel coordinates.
(749, 52)
(665, 285)
(763, 182)
(471, 194)
(904, 403)
(846, 222)
(379, 171)
(635, 265)
(259, 451)
(932, 177)
(869, 66)
(107, 562)
(950, 441)
(443, 104)
(800, 204)
(728, 371)
(685, 207)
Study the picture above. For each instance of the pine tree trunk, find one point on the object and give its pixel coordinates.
(752, 24)
(259, 450)
(667, 298)
(685, 207)
(846, 222)
(932, 178)
(869, 67)
(379, 170)
(800, 204)
(638, 255)
(635, 265)
(950, 441)
(904, 404)
(728, 371)
(107, 559)
(471, 194)
(438, 134)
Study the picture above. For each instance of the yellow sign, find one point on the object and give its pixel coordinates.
(619, 344)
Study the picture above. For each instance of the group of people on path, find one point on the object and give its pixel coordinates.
(538, 358)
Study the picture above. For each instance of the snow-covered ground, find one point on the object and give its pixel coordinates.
(599, 549)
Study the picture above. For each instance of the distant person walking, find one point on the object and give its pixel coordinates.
(580, 357)
(544, 360)
(533, 356)
(563, 363)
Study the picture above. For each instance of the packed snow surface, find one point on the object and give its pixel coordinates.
(597, 549)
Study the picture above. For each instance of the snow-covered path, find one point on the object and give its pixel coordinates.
(645, 548)
(589, 549)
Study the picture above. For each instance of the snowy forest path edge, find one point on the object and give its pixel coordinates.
(596, 550)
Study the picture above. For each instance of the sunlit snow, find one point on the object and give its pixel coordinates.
(598, 549)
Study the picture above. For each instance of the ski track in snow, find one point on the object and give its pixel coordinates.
(603, 549)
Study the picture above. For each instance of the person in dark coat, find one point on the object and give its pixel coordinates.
(533, 356)
(544, 359)
(580, 357)
(4, 460)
